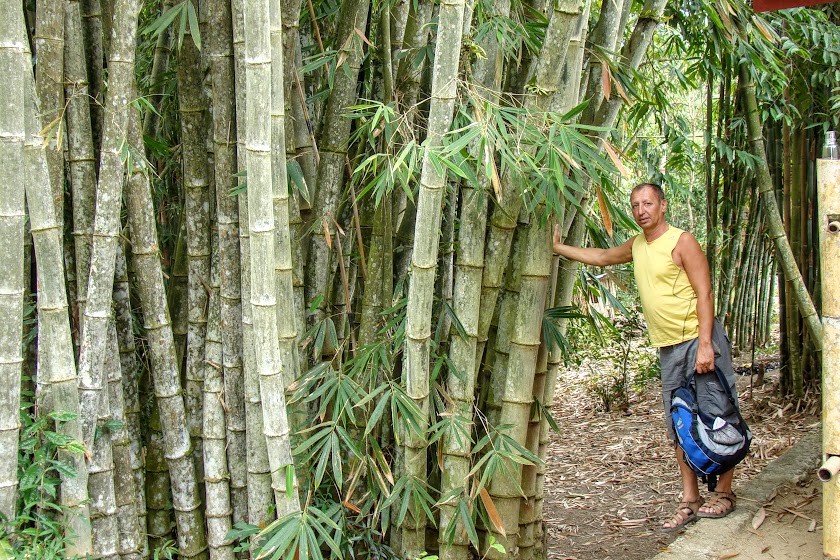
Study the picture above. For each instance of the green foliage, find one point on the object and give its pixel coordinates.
(167, 551)
(396, 155)
(620, 364)
(359, 414)
(38, 529)
(548, 155)
(523, 30)
(185, 14)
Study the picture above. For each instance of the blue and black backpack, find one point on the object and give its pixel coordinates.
(710, 430)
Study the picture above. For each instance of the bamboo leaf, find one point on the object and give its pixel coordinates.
(296, 179)
(361, 34)
(605, 79)
(62, 416)
(380, 460)
(615, 159)
(290, 480)
(195, 31)
(492, 512)
(467, 522)
(605, 211)
(327, 235)
(165, 20)
(376, 415)
(182, 24)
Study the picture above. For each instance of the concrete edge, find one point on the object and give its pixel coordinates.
(702, 540)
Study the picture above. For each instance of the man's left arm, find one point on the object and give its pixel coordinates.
(693, 261)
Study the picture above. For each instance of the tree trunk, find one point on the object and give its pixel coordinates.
(57, 363)
(534, 262)
(711, 189)
(216, 474)
(333, 152)
(192, 112)
(461, 379)
(273, 385)
(261, 225)
(220, 46)
(424, 257)
(771, 210)
(300, 147)
(189, 516)
(97, 317)
(259, 476)
(130, 388)
(49, 49)
(160, 64)
(95, 57)
(80, 149)
(128, 539)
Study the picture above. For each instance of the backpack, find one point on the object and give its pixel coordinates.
(713, 442)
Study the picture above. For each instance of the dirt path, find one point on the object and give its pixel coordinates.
(788, 527)
(612, 477)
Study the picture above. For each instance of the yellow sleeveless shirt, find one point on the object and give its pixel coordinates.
(669, 302)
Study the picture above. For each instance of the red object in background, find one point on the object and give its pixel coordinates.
(770, 5)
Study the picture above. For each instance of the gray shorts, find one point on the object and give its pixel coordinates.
(677, 363)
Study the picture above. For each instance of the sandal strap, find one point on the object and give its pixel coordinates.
(718, 499)
(683, 513)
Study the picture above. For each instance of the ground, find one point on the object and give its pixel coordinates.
(786, 528)
(612, 476)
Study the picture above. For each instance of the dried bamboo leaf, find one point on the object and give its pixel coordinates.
(759, 518)
(605, 80)
(492, 512)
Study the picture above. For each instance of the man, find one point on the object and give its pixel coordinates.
(675, 289)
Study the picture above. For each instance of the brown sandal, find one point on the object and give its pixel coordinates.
(721, 505)
(686, 513)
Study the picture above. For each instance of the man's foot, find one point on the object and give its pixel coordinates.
(720, 505)
(686, 513)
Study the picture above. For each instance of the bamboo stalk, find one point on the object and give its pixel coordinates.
(189, 516)
(828, 176)
(263, 211)
(424, 258)
(220, 46)
(130, 386)
(56, 359)
(771, 210)
(196, 217)
(214, 428)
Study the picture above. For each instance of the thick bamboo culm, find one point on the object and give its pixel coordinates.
(828, 183)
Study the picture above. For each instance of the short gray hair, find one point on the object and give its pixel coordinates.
(656, 188)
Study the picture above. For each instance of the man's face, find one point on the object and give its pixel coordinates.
(648, 209)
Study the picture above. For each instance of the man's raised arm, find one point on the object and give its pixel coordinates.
(591, 255)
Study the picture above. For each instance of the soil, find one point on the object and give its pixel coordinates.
(612, 477)
(787, 527)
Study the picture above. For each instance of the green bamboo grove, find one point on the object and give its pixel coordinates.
(277, 276)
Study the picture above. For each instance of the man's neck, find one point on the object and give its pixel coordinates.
(656, 233)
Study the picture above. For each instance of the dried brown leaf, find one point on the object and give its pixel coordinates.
(763, 28)
(615, 159)
(327, 236)
(759, 518)
(605, 211)
(492, 512)
(361, 34)
(606, 82)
